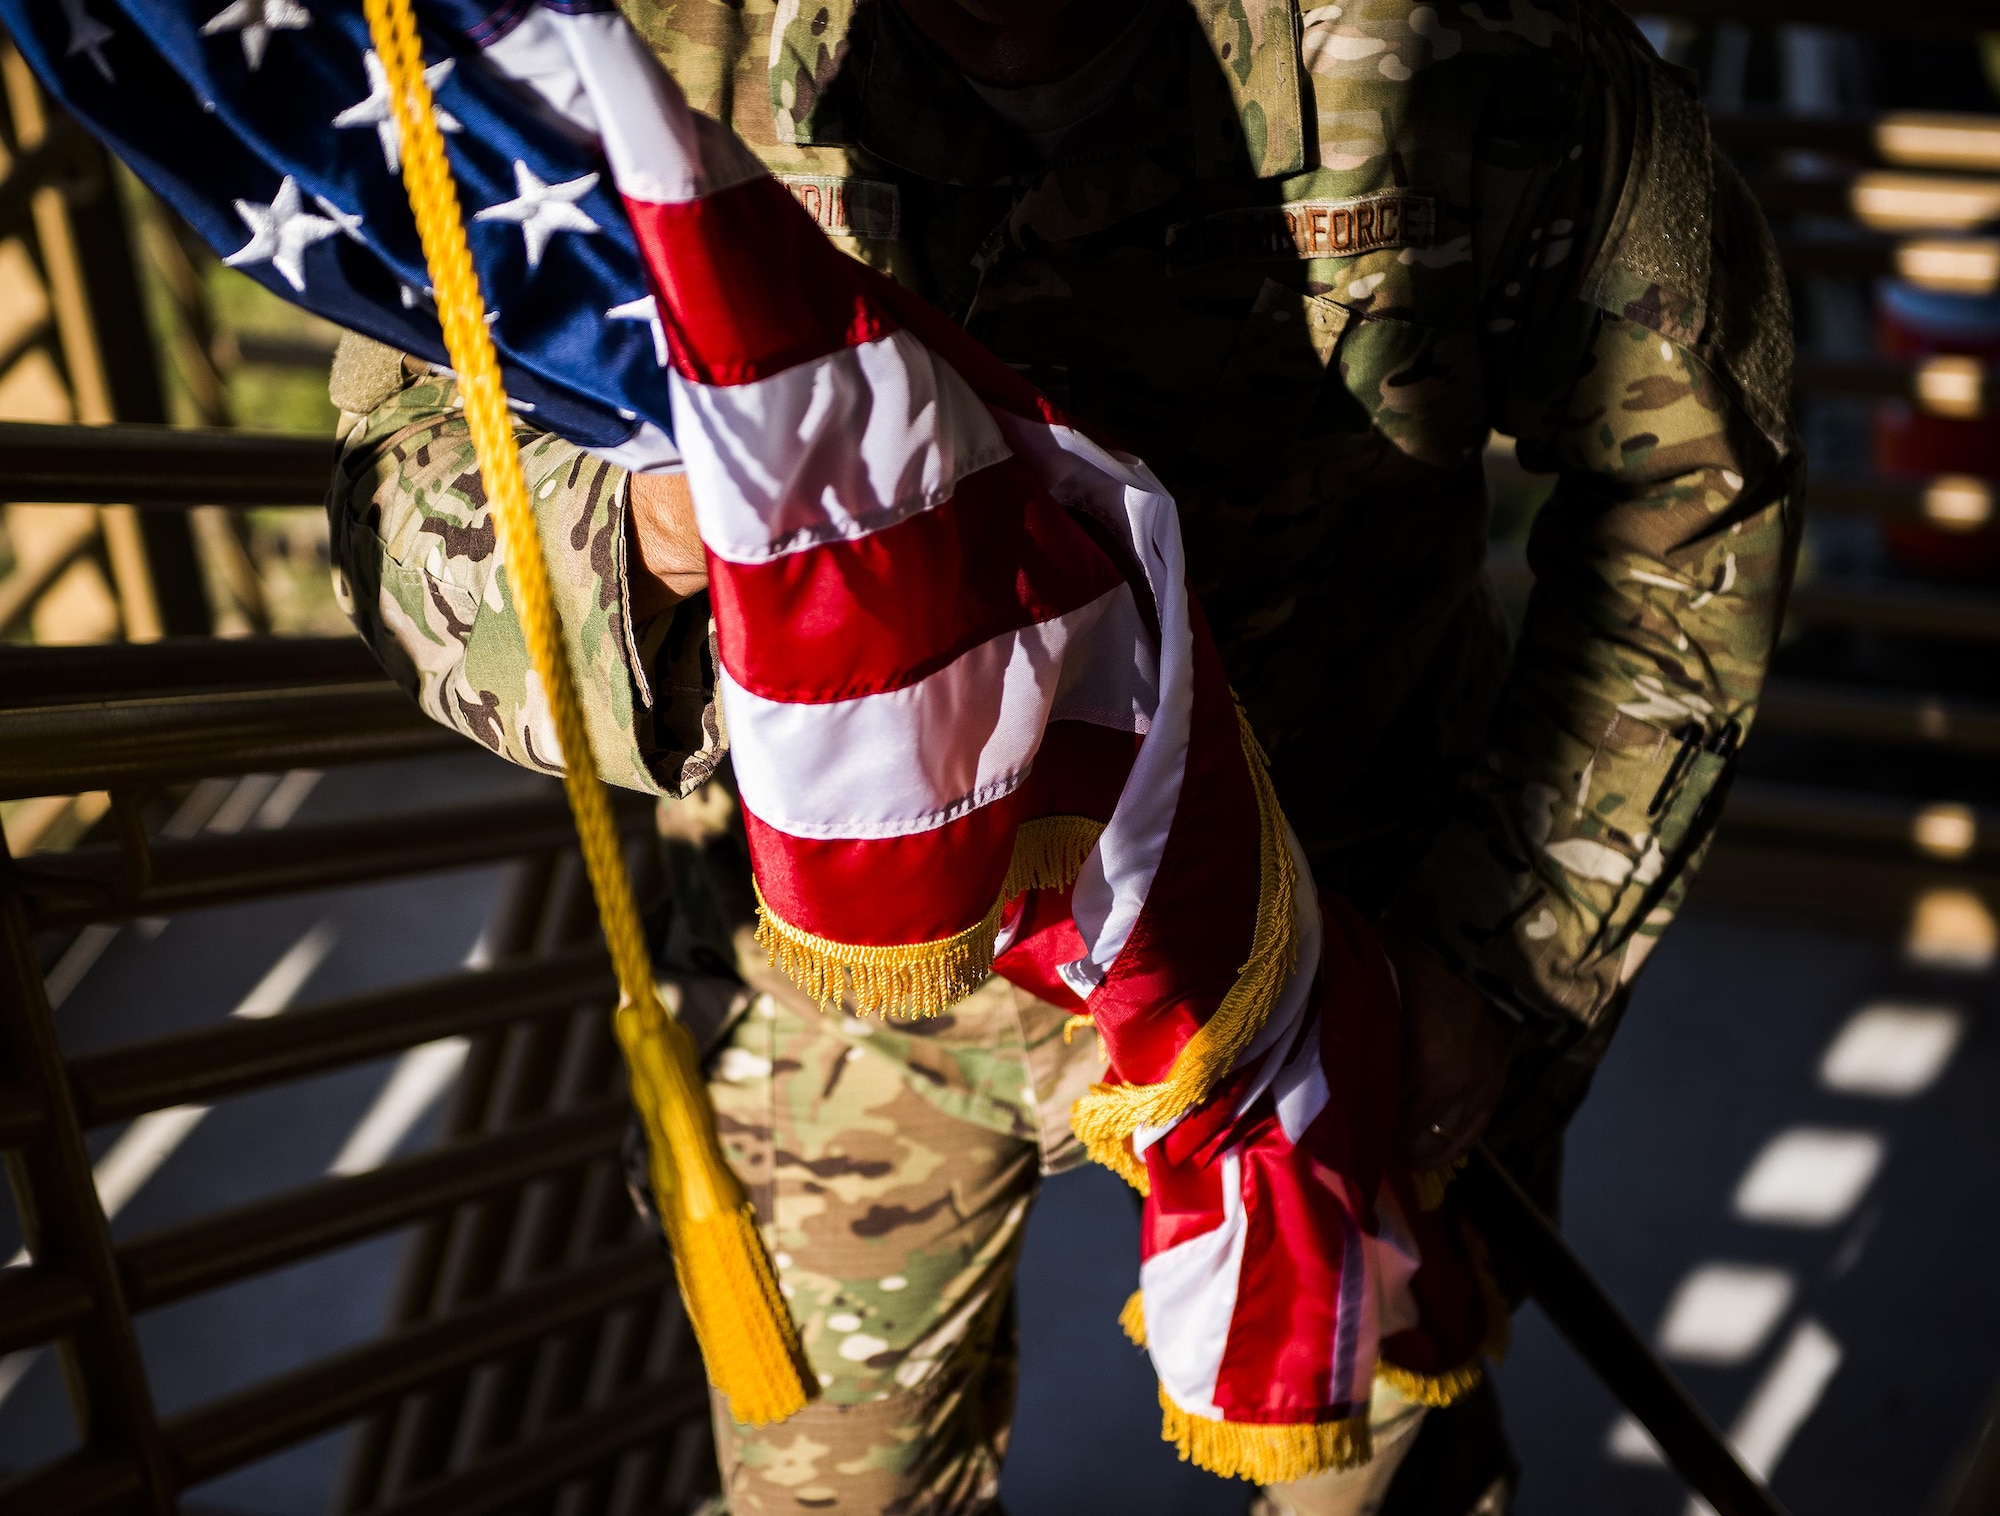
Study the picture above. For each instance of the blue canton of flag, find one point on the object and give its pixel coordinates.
(266, 124)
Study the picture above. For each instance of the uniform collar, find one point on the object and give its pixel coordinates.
(857, 73)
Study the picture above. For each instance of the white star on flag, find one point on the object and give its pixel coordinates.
(375, 112)
(281, 232)
(541, 210)
(644, 309)
(87, 35)
(254, 21)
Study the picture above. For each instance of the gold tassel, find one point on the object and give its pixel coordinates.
(1266, 1454)
(1433, 1390)
(1132, 1318)
(1430, 1184)
(726, 1279)
(1105, 1118)
(748, 1341)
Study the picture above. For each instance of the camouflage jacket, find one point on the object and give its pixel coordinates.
(1304, 264)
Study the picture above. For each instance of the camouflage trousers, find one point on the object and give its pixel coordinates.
(893, 1165)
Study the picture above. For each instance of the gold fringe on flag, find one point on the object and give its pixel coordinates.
(1433, 1390)
(748, 1341)
(1263, 1452)
(1132, 1318)
(1049, 852)
(1105, 1118)
(922, 978)
(908, 979)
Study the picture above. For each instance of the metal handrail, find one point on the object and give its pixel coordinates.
(1809, 708)
(172, 1264)
(111, 670)
(160, 466)
(164, 739)
(213, 1062)
(95, 883)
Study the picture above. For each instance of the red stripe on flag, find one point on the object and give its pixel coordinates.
(749, 286)
(888, 890)
(932, 884)
(1184, 1201)
(1278, 1364)
(880, 612)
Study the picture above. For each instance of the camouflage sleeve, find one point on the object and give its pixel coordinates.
(417, 570)
(1661, 564)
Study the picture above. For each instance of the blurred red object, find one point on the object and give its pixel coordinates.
(1915, 442)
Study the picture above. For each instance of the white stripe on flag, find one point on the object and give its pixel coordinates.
(1190, 1294)
(831, 449)
(910, 760)
(1112, 886)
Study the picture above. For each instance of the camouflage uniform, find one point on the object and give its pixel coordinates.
(1302, 265)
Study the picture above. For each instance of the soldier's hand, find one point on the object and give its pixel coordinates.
(1456, 1049)
(671, 564)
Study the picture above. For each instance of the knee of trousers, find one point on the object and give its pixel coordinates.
(934, 1450)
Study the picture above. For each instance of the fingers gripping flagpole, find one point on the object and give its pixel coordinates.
(746, 1333)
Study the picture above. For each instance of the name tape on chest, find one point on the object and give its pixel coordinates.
(848, 207)
(1303, 229)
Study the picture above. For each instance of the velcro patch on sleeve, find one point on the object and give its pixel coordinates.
(849, 207)
(1304, 229)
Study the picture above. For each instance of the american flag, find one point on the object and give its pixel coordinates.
(977, 720)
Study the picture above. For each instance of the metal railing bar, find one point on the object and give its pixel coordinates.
(62, 151)
(1860, 15)
(218, 1250)
(1834, 195)
(568, 1448)
(91, 884)
(1866, 715)
(107, 670)
(37, 1305)
(137, 743)
(56, 1198)
(1878, 378)
(206, 1065)
(23, 1115)
(271, 351)
(1858, 819)
(1892, 139)
(240, 1428)
(1911, 610)
(1859, 257)
(1773, 130)
(1953, 503)
(1578, 1306)
(84, 1483)
(159, 465)
(1879, 499)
